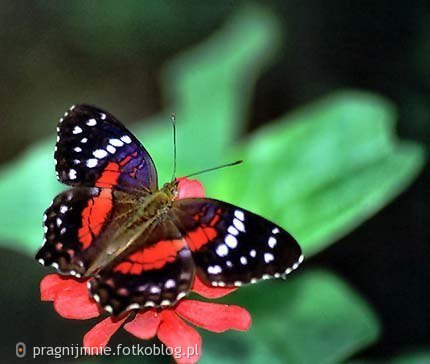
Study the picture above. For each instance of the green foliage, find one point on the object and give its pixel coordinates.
(318, 172)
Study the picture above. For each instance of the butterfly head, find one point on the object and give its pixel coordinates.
(171, 189)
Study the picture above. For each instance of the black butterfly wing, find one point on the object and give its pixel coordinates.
(232, 246)
(94, 149)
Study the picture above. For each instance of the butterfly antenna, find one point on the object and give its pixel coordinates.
(215, 168)
(173, 118)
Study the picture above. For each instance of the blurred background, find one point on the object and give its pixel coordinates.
(55, 54)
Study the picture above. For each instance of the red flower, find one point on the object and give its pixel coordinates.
(72, 301)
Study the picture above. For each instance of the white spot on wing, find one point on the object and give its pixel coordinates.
(91, 122)
(253, 253)
(170, 283)
(116, 142)
(243, 260)
(91, 162)
(165, 303)
(155, 289)
(111, 149)
(77, 130)
(126, 139)
(275, 230)
(239, 225)
(271, 242)
(231, 241)
(240, 215)
(108, 308)
(77, 149)
(181, 295)
(268, 257)
(214, 269)
(133, 306)
(232, 230)
(100, 153)
(222, 250)
(84, 140)
(72, 174)
(41, 261)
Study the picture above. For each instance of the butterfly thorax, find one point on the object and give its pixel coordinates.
(158, 202)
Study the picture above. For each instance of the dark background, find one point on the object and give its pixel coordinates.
(54, 54)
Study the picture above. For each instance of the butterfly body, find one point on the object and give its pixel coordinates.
(140, 246)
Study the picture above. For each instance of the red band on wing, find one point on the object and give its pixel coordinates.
(112, 172)
(109, 176)
(94, 216)
(154, 257)
(200, 236)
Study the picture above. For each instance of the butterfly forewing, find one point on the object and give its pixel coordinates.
(94, 149)
(232, 246)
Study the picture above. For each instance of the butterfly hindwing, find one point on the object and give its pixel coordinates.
(94, 149)
(156, 274)
(72, 224)
(232, 246)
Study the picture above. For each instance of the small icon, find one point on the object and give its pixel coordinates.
(21, 350)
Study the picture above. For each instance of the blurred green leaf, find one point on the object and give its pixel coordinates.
(324, 169)
(315, 318)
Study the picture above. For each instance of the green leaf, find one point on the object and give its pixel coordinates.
(314, 318)
(323, 170)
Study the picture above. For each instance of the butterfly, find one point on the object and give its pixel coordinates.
(140, 246)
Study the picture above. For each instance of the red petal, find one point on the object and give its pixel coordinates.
(214, 316)
(74, 302)
(99, 335)
(71, 297)
(174, 333)
(145, 325)
(50, 285)
(190, 188)
(210, 292)
(54, 284)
